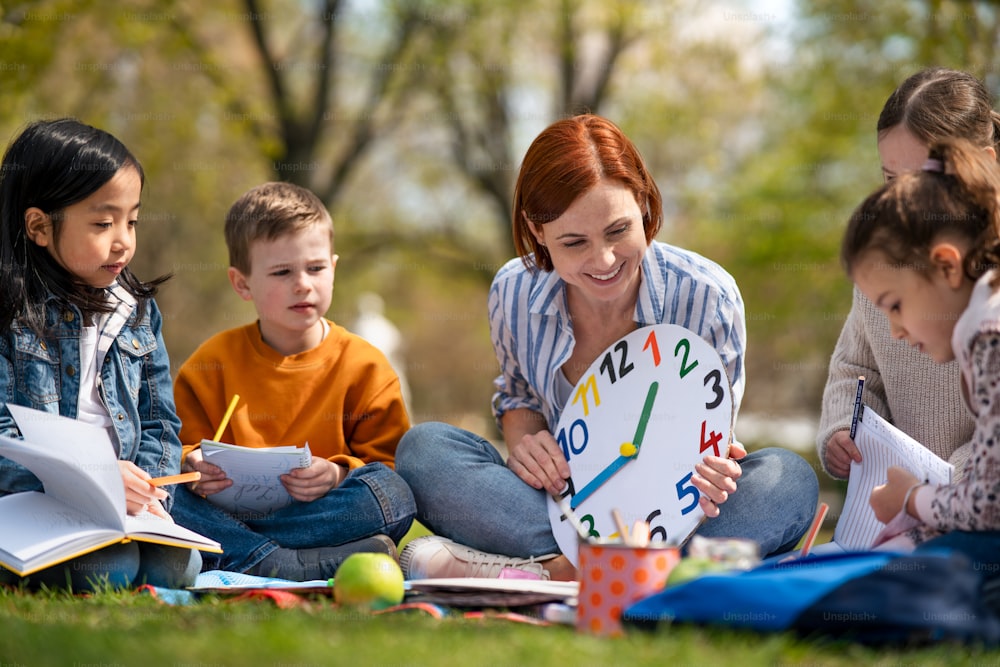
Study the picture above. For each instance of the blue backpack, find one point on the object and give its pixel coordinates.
(870, 597)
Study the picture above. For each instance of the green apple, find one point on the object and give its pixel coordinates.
(368, 581)
(691, 567)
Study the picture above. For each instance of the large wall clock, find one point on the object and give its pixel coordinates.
(649, 408)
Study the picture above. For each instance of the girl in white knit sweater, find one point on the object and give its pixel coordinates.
(923, 248)
(902, 385)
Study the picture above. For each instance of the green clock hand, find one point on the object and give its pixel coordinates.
(647, 410)
(629, 451)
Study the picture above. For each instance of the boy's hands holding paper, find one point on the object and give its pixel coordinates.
(303, 484)
(315, 481)
(140, 495)
(213, 478)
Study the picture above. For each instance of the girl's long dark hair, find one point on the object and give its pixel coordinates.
(51, 165)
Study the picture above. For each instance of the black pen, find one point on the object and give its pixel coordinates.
(857, 406)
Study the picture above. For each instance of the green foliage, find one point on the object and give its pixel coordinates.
(776, 217)
(410, 118)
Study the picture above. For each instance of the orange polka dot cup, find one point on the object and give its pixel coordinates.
(612, 577)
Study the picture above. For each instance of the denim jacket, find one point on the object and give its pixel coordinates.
(135, 385)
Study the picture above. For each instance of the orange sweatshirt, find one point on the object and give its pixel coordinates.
(342, 397)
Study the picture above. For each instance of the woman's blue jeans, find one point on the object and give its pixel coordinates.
(465, 491)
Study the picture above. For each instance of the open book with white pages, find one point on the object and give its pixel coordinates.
(82, 507)
(881, 445)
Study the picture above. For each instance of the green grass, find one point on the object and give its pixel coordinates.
(122, 629)
(125, 628)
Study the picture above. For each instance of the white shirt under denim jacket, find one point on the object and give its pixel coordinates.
(533, 335)
(135, 383)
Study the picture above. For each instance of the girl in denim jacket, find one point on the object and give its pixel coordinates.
(80, 335)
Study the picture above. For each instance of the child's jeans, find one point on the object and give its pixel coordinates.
(372, 500)
(117, 566)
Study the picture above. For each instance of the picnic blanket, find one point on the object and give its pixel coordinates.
(470, 597)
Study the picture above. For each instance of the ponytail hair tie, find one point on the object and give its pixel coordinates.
(934, 165)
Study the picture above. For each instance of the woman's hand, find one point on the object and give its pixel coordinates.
(308, 484)
(140, 495)
(840, 451)
(538, 460)
(213, 479)
(887, 499)
(715, 477)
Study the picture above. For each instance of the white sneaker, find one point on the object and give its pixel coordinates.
(433, 557)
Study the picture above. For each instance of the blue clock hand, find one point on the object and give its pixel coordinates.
(599, 479)
(628, 452)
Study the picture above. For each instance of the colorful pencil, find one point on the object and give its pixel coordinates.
(182, 478)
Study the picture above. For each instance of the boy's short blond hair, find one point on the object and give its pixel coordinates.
(270, 211)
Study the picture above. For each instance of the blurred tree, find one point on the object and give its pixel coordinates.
(409, 118)
(123, 67)
(779, 220)
(479, 75)
(313, 84)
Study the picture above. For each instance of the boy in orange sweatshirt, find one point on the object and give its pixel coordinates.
(301, 379)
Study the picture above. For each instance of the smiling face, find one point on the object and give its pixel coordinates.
(597, 244)
(291, 285)
(922, 309)
(96, 235)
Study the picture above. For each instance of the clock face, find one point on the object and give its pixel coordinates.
(648, 409)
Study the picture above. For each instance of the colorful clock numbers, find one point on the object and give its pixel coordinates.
(646, 411)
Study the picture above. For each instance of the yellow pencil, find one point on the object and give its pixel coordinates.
(182, 478)
(225, 419)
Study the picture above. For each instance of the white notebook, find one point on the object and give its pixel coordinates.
(882, 445)
(256, 473)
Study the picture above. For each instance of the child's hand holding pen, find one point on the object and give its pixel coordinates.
(840, 452)
(840, 448)
(140, 495)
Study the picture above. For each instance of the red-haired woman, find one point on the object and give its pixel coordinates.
(586, 212)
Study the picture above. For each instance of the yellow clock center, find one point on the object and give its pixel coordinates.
(628, 450)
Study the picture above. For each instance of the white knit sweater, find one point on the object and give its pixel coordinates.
(921, 397)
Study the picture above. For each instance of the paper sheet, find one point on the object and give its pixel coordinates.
(882, 445)
(256, 473)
